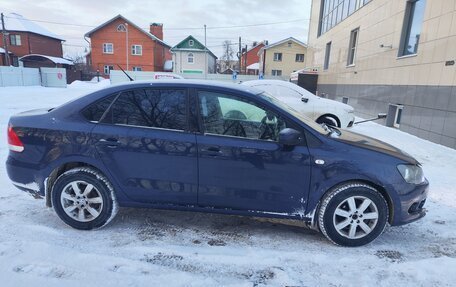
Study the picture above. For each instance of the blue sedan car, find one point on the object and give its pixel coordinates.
(210, 147)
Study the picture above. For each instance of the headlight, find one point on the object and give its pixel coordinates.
(411, 173)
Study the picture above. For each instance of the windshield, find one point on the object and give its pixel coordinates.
(308, 121)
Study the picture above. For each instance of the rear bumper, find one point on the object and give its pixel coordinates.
(25, 177)
(411, 205)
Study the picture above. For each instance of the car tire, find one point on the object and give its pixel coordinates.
(329, 120)
(353, 214)
(84, 199)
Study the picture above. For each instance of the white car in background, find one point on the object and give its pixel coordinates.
(319, 109)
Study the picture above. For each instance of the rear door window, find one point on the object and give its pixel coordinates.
(95, 111)
(157, 108)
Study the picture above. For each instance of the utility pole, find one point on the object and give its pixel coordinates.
(5, 44)
(126, 43)
(245, 61)
(240, 54)
(205, 53)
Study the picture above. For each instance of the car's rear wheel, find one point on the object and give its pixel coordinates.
(353, 214)
(83, 198)
(329, 120)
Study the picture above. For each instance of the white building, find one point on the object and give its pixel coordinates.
(191, 57)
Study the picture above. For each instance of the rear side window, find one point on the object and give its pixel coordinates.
(95, 111)
(164, 108)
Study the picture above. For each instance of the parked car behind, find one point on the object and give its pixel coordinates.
(319, 109)
(210, 147)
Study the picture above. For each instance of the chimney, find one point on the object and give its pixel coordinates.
(156, 29)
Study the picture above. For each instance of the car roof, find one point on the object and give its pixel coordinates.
(187, 83)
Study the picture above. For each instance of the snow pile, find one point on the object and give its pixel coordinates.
(168, 248)
(90, 84)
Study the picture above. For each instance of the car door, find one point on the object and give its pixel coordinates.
(241, 164)
(144, 142)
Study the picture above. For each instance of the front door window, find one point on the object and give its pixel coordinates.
(230, 116)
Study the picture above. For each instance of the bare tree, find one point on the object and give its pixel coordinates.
(228, 53)
(79, 62)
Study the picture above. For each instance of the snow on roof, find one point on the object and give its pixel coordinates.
(56, 60)
(2, 51)
(254, 66)
(16, 22)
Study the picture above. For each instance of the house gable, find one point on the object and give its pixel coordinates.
(185, 45)
(125, 20)
(283, 42)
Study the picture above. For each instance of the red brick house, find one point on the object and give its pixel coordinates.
(30, 43)
(121, 42)
(250, 60)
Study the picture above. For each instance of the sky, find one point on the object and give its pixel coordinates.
(177, 17)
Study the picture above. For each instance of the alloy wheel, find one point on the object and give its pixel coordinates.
(81, 201)
(355, 217)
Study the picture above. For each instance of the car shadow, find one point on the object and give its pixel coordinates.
(214, 229)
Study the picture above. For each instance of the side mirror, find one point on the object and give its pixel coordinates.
(290, 137)
(382, 115)
(305, 100)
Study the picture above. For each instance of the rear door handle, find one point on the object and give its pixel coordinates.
(109, 142)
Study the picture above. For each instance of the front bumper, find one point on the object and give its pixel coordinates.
(347, 120)
(410, 206)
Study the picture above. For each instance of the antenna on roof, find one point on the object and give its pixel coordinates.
(131, 79)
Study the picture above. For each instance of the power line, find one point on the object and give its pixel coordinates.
(171, 28)
(255, 25)
(51, 22)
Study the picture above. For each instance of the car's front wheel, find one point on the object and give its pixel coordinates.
(353, 214)
(84, 199)
(329, 120)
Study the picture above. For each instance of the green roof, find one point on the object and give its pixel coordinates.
(191, 44)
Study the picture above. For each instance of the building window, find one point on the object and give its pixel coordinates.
(335, 11)
(108, 48)
(278, 57)
(15, 40)
(289, 44)
(411, 30)
(277, 72)
(190, 58)
(107, 69)
(352, 47)
(137, 69)
(299, 57)
(191, 43)
(136, 50)
(327, 56)
(121, 28)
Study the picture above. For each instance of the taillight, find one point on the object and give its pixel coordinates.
(14, 143)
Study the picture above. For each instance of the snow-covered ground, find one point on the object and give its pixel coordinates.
(144, 247)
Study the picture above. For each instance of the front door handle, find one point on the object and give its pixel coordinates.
(212, 151)
(109, 142)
